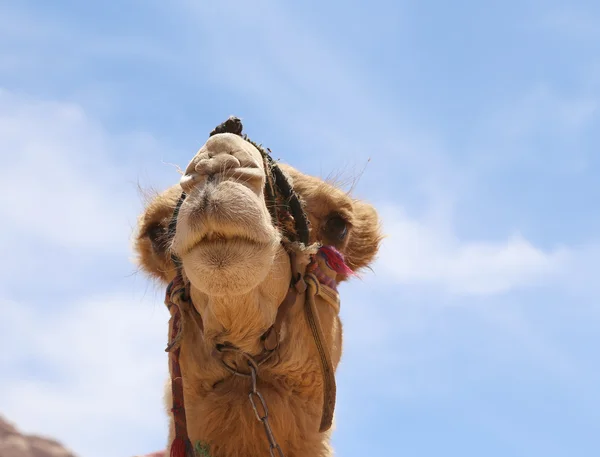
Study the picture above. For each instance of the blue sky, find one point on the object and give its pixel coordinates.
(477, 126)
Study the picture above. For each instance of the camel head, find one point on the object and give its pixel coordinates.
(229, 245)
(228, 227)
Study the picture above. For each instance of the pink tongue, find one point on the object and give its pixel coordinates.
(335, 260)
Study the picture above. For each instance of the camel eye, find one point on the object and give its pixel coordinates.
(158, 238)
(336, 227)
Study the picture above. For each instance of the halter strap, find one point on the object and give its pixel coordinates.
(329, 385)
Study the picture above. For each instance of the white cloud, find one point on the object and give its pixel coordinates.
(63, 179)
(90, 374)
(69, 193)
(417, 252)
(88, 370)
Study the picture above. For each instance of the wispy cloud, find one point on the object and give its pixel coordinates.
(82, 363)
(543, 108)
(59, 182)
(574, 22)
(420, 253)
(328, 99)
(90, 372)
(68, 186)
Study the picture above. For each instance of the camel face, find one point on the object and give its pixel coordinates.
(225, 237)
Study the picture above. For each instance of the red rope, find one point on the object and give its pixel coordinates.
(181, 445)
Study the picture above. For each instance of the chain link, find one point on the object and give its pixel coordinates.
(263, 414)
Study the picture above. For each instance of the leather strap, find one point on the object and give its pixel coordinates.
(329, 385)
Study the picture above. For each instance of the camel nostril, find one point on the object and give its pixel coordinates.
(204, 166)
(189, 181)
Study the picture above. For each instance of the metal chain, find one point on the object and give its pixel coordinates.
(274, 448)
(260, 408)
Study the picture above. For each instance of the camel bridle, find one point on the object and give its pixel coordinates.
(289, 217)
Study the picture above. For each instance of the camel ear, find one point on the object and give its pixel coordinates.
(152, 242)
(365, 236)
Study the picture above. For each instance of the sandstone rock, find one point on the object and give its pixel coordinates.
(16, 444)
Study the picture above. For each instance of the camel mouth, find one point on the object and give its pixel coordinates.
(219, 239)
(230, 262)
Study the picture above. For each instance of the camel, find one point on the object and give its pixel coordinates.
(252, 251)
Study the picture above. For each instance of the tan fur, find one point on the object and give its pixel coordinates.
(239, 274)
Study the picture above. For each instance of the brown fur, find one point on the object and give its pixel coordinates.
(218, 411)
